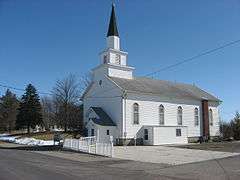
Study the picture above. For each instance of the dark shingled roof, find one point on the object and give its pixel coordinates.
(112, 29)
(163, 88)
(104, 119)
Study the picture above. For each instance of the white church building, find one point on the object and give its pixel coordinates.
(144, 110)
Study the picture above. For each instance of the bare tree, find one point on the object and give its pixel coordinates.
(48, 111)
(226, 129)
(231, 129)
(86, 81)
(236, 126)
(66, 94)
(76, 117)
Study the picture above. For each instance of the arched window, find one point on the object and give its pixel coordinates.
(135, 113)
(210, 117)
(196, 117)
(161, 114)
(179, 115)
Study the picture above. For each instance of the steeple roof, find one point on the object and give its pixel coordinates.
(112, 29)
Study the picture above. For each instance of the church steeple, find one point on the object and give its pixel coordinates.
(113, 59)
(112, 28)
(113, 40)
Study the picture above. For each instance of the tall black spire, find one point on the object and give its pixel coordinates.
(112, 29)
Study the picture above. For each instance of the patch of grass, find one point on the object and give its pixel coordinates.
(68, 135)
(43, 136)
(215, 146)
(47, 135)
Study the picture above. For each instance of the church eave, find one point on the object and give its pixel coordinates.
(114, 50)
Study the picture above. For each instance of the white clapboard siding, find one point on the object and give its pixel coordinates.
(111, 104)
(149, 114)
(167, 135)
(108, 97)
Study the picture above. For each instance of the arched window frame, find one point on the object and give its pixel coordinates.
(135, 113)
(210, 117)
(196, 117)
(161, 114)
(179, 115)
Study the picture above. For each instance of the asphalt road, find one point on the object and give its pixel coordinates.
(27, 165)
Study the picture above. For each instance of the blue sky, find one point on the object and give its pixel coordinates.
(42, 41)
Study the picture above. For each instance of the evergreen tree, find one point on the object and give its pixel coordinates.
(236, 126)
(8, 111)
(30, 113)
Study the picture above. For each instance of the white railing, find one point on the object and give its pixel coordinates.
(89, 145)
(104, 149)
(89, 140)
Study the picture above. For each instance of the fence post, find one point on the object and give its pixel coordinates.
(103, 148)
(63, 142)
(88, 146)
(71, 143)
(95, 147)
(98, 136)
(111, 146)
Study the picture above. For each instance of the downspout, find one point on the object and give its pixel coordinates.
(125, 116)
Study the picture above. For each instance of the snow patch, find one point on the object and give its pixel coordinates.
(57, 130)
(8, 138)
(25, 141)
(2, 135)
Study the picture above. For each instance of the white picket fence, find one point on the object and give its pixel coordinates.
(89, 145)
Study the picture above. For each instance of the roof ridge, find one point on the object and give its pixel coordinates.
(165, 80)
(163, 88)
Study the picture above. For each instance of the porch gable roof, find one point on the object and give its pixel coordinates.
(104, 119)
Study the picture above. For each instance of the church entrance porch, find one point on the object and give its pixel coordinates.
(100, 125)
(102, 133)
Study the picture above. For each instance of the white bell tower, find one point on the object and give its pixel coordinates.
(113, 60)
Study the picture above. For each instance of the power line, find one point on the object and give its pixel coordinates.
(194, 57)
(104, 97)
(19, 89)
(185, 61)
(152, 73)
